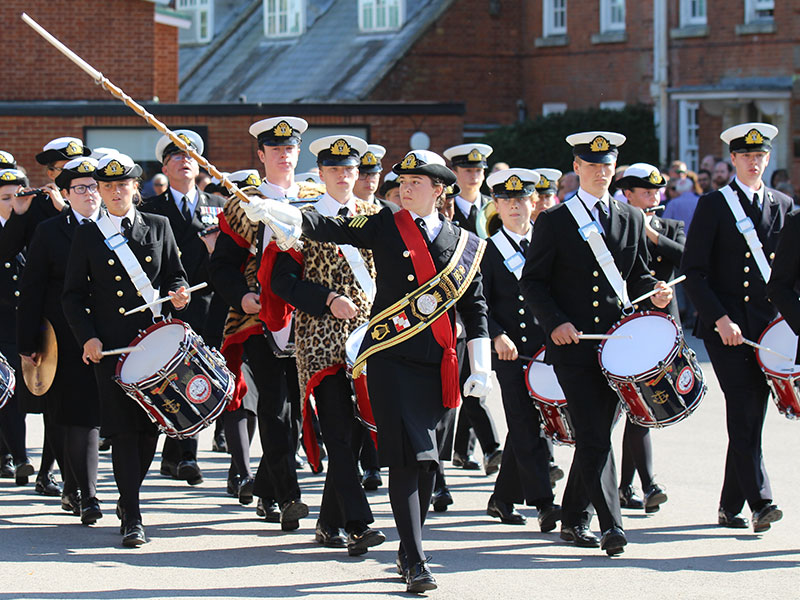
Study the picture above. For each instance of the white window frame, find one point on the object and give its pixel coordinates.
(553, 108)
(291, 11)
(694, 12)
(200, 11)
(608, 8)
(549, 13)
(753, 7)
(689, 134)
(376, 15)
(613, 104)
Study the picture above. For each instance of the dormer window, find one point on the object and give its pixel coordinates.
(202, 15)
(283, 18)
(380, 15)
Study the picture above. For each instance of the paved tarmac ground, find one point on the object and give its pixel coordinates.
(203, 544)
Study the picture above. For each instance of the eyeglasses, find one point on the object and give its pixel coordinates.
(180, 156)
(82, 189)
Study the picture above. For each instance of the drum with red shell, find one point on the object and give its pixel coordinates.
(783, 375)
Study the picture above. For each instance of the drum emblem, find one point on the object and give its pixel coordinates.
(660, 396)
(685, 380)
(171, 406)
(427, 303)
(199, 389)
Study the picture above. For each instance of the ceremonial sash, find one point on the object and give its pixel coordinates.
(512, 259)
(745, 226)
(426, 306)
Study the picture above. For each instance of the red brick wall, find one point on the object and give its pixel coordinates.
(165, 65)
(465, 56)
(114, 36)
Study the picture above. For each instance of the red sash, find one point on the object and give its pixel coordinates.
(442, 328)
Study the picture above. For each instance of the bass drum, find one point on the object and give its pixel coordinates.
(549, 400)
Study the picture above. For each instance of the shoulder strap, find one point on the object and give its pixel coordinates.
(117, 243)
(745, 226)
(512, 259)
(590, 232)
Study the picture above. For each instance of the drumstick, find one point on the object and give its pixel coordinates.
(603, 336)
(675, 281)
(126, 350)
(758, 346)
(194, 288)
(522, 357)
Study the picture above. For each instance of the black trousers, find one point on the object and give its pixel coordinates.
(474, 414)
(131, 455)
(525, 470)
(276, 380)
(344, 503)
(746, 397)
(637, 455)
(592, 477)
(176, 450)
(12, 419)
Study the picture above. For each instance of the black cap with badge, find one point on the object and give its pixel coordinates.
(279, 131)
(338, 150)
(468, 155)
(63, 148)
(84, 166)
(165, 147)
(596, 146)
(425, 162)
(7, 160)
(116, 167)
(750, 137)
(13, 177)
(513, 183)
(371, 159)
(642, 175)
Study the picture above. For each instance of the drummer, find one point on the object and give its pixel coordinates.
(569, 293)
(642, 184)
(726, 275)
(98, 289)
(74, 404)
(525, 471)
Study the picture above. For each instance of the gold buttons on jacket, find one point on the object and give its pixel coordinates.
(747, 298)
(521, 299)
(110, 262)
(16, 293)
(149, 259)
(746, 284)
(595, 289)
(658, 258)
(522, 311)
(14, 277)
(771, 255)
(411, 278)
(523, 339)
(747, 269)
(595, 274)
(406, 253)
(747, 255)
(119, 293)
(652, 272)
(121, 310)
(88, 311)
(522, 326)
(7, 265)
(118, 278)
(595, 304)
(597, 319)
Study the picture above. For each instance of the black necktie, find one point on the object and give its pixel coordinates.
(186, 211)
(85, 221)
(602, 215)
(524, 243)
(423, 228)
(344, 212)
(126, 228)
(473, 213)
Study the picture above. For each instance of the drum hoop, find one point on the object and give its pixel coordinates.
(767, 371)
(150, 380)
(554, 402)
(652, 371)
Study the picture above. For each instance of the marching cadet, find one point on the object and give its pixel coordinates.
(469, 165)
(546, 191)
(641, 184)
(12, 417)
(525, 471)
(425, 266)
(727, 269)
(369, 175)
(260, 324)
(72, 398)
(332, 289)
(390, 189)
(193, 216)
(562, 270)
(98, 289)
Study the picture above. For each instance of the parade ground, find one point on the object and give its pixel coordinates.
(203, 544)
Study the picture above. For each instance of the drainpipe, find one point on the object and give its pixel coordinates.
(658, 88)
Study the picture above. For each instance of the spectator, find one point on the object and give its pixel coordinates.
(787, 188)
(778, 177)
(202, 180)
(682, 206)
(722, 174)
(567, 186)
(708, 162)
(615, 192)
(704, 181)
(500, 166)
(693, 176)
(677, 170)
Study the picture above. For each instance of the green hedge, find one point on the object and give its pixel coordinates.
(540, 142)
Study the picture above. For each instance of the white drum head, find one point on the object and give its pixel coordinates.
(779, 337)
(652, 338)
(159, 348)
(353, 344)
(543, 382)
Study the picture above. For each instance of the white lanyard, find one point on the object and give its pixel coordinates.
(512, 259)
(745, 226)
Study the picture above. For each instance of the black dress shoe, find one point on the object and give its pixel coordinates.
(764, 516)
(359, 543)
(654, 497)
(548, 517)
(441, 499)
(189, 471)
(233, 486)
(104, 444)
(134, 535)
(270, 511)
(90, 511)
(629, 499)
(468, 463)
(372, 479)
(556, 474)
(726, 518)
(246, 490)
(580, 535)
(328, 536)
(419, 578)
(71, 503)
(219, 443)
(401, 562)
(613, 541)
(7, 467)
(505, 512)
(291, 513)
(169, 469)
(22, 471)
(47, 486)
(491, 461)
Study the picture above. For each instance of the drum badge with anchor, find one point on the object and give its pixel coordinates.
(198, 389)
(171, 406)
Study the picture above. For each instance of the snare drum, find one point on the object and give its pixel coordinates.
(782, 374)
(182, 384)
(549, 400)
(654, 372)
(7, 381)
(361, 404)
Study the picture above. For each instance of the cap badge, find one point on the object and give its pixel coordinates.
(513, 184)
(113, 168)
(253, 180)
(73, 149)
(449, 190)
(8, 176)
(85, 167)
(369, 159)
(754, 137)
(599, 144)
(340, 148)
(282, 129)
(655, 177)
(409, 162)
(544, 182)
(186, 140)
(5, 158)
(475, 155)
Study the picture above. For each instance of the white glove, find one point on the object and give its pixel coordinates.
(265, 210)
(257, 210)
(479, 383)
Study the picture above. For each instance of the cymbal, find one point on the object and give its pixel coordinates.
(40, 377)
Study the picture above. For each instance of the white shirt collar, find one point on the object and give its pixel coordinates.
(748, 191)
(517, 237)
(432, 223)
(328, 206)
(3, 222)
(93, 217)
(117, 221)
(466, 205)
(590, 201)
(178, 196)
(276, 192)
